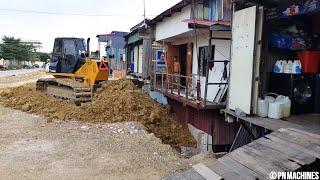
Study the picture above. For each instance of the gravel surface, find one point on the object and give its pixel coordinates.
(16, 78)
(31, 147)
(116, 101)
(18, 72)
(34, 147)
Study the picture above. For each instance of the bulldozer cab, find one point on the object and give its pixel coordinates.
(68, 55)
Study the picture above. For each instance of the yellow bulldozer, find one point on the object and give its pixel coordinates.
(76, 75)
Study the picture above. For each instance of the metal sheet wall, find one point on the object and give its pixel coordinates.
(209, 121)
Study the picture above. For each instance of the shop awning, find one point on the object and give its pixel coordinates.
(224, 25)
(199, 22)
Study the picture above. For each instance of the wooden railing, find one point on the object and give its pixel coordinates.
(171, 83)
(190, 91)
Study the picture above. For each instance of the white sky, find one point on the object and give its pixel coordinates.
(45, 27)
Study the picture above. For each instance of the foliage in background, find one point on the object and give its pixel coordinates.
(12, 49)
(43, 56)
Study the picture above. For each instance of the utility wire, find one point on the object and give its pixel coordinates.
(68, 14)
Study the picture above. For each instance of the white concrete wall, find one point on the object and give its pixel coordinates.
(140, 59)
(203, 40)
(204, 140)
(222, 52)
(18, 63)
(172, 26)
(102, 49)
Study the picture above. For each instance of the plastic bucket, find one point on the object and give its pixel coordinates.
(310, 61)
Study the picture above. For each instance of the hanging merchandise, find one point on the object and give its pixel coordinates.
(292, 29)
(286, 41)
(293, 9)
(298, 43)
(281, 40)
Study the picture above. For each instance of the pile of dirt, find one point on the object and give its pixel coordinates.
(117, 101)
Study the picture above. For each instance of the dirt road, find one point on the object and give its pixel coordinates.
(17, 72)
(16, 78)
(33, 148)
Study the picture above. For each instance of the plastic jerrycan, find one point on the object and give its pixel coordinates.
(278, 68)
(296, 67)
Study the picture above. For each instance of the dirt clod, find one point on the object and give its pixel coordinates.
(26, 107)
(117, 101)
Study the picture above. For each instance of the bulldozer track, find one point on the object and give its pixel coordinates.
(65, 88)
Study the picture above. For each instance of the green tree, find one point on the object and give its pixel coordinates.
(44, 56)
(12, 49)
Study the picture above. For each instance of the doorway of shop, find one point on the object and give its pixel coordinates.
(183, 62)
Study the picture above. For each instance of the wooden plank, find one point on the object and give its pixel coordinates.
(240, 169)
(312, 146)
(191, 174)
(254, 161)
(205, 172)
(175, 176)
(302, 137)
(223, 171)
(317, 136)
(272, 124)
(295, 155)
(294, 145)
(275, 157)
(268, 123)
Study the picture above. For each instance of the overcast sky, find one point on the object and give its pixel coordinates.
(122, 15)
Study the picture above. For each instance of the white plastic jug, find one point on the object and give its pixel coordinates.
(286, 105)
(296, 67)
(278, 68)
(263, 107)
(270, 98)
(275, 110)
(287, 67)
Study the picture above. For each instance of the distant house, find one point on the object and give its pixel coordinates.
(141, 50)
(112, 46)
(102, 44)
(37, 44)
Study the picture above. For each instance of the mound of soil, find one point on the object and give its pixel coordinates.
(116, 101)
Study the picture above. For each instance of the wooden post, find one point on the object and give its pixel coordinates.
(155, 81)
(187, 87)
(171, 85)
(179, 77)
(162, 82)
(207, 70)
(167, 82)
(198, 89)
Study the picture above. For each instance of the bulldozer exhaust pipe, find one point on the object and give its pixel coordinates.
(88, 47)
